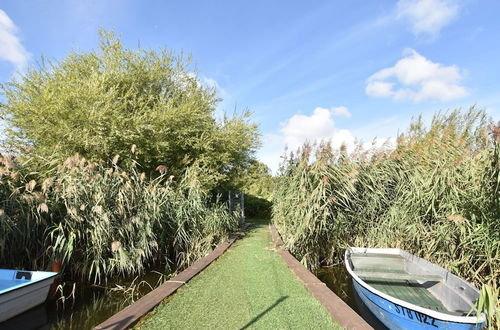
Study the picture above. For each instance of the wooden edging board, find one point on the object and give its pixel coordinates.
(134, 312)
(341, 313)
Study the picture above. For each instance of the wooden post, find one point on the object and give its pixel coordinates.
(242, 209)
(231, 203)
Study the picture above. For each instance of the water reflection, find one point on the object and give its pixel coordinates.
(339, 281)
(86, 306)
(35, 318)
(87, 312)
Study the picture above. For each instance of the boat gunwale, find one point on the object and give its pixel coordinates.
(435, 314)
(29, 282)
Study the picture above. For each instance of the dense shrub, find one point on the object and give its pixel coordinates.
(104, 221)
(105, 102)
(436, 195)
(257, 180)
(257, 208)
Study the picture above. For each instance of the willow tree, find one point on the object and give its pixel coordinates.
(144, 105)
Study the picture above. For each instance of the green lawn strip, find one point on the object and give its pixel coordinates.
(248, 287)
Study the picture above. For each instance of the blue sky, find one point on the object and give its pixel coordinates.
(308, 70)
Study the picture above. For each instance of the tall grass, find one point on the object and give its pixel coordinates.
(102, 221)
(437, 195)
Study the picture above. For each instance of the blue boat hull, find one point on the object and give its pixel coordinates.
(397, 317)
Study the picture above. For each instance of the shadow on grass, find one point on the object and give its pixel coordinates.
(258, 222)
(255, 224)
(255, 319)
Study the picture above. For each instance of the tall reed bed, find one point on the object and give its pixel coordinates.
(101, 221)
(437, 195)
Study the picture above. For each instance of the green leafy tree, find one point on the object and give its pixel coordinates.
(146, 106)
(257, 180)
(257, 183)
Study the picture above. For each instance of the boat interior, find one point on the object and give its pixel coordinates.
(415, 281)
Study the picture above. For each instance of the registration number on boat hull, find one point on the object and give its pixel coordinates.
(414, 315)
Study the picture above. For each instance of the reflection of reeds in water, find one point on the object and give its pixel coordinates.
(338, 280)
(436, 195)
(83, 307)
(88, 314)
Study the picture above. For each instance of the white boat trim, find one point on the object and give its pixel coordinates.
(430, 312)
(44, 276)
(23, 294)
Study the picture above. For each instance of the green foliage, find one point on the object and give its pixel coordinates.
(487, 302)
(105, 221)
(257, 208)
(436, 195)
(257, 183)
(87, 133)
(103, 103)
(257, 180)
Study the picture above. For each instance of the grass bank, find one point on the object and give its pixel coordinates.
(249, 287)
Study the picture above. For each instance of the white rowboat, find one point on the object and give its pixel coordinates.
(22, 290)
(407, 292)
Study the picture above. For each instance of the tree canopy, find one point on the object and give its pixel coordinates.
(144, 105)
(257, 180)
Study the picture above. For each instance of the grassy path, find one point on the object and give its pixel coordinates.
(249, 287)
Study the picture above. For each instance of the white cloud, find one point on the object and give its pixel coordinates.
(298, 129)
(225, 104)
(427, 16)
(271, 151)
(11, 49)
(343, 137)
(417, 79)
(379, 89)
(315, 128)
(340, 111)
(301, 128)
(379, 145)
(211, 83)
(207, 82)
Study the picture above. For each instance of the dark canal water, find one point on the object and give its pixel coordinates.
(339, 281)
(90, 306)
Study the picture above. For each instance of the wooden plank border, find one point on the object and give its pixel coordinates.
(276, 236)
(134, 312)
(340, 312)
